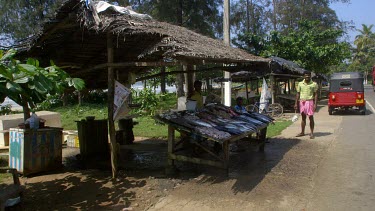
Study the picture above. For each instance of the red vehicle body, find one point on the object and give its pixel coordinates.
(346, 91)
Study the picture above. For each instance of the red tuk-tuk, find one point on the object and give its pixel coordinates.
(346, 91)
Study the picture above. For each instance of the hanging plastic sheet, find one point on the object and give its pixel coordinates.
(121, 107)
(265, 95)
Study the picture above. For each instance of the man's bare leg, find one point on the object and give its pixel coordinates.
(312, 124)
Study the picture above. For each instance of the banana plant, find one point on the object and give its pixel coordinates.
(28, 84)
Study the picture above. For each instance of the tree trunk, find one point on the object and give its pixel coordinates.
(162, 81)
(274, 16)
(26, 109)
(111, 93)
(79, 97)
(180, 77)
(180, 84)
(247, 17)
(209, 86)
(65, 98)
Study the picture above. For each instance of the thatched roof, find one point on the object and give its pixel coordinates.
(283, 66)
(279, 67)
(75, 42)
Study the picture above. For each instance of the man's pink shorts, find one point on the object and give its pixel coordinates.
(307, 107)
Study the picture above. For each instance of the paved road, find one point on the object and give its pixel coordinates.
(345, 180)
(334, 171)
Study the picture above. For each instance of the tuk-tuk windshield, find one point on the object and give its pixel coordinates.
(347, 85)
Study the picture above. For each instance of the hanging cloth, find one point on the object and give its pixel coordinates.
(264, 97)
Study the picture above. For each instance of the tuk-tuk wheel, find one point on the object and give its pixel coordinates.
(363, 110)
(330, 110)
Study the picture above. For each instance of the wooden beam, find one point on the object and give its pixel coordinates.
(177, 72)
(111, 92)
(197, 160)
(134, 64)
(153, 64)
(171, 136)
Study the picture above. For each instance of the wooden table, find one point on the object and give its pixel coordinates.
(220, 160)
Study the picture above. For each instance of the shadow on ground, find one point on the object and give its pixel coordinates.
(84, 190)
(83, 187)
(249, 167)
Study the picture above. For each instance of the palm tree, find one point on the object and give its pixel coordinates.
(366, 37)
(365, 48)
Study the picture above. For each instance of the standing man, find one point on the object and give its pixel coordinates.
(308, 99)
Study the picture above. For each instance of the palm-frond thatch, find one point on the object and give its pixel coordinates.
(78, 43)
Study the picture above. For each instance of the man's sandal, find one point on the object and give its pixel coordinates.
(300, 135)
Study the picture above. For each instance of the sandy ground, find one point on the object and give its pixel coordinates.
(279, 178)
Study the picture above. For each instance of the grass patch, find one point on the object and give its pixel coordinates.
(277, 128)
(72, 113)
(147, 126)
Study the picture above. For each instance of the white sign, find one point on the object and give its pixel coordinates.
(121, 96)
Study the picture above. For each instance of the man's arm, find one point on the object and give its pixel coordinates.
(296, 103)
(316, 96)
(315, 100)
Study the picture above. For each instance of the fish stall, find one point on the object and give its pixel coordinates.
(211, 130)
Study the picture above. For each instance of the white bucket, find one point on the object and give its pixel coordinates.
(191, 105)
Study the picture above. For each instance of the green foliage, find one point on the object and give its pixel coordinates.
(202, 16)
(19, 18)
(28, 84)
(364, 53)
(309, 46)
(148, 101)
(5, 110)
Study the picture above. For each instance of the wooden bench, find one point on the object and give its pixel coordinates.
(12, 190)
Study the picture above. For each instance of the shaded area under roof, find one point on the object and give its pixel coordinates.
(75, 42)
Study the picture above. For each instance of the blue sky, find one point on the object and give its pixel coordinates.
(358, 11)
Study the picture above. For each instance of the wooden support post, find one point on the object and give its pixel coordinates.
(273, 88)
(189, 78)
(171, 140)
(111, 92)
(226, 154)
(247, 94)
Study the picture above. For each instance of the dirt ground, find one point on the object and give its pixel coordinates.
(141, 183)
(278, 178)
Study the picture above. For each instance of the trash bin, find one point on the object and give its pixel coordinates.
(93, 138)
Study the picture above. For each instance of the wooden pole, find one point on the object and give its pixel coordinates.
(247, 93)
(226, 32)
(111, 92)
(189, 78)
(273, 86)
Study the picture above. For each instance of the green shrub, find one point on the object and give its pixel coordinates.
(148, 101)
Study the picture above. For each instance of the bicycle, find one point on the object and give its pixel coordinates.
(273, 109)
